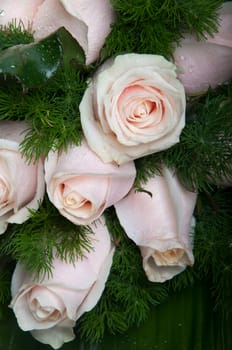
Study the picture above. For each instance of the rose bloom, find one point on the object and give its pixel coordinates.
(87, 21)
(207, 63)
(133, 106)
(160, 222)
(50, 307)
(21, 184)
(81, 186)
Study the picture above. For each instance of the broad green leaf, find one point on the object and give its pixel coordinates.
(72, 51)
(32, 64)
(186, 321)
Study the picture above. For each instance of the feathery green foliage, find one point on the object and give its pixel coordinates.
(14, 34)
(5, 278)
(128, 294)
(213, 250)
(152, 26)
(45, 235)
(51, 112)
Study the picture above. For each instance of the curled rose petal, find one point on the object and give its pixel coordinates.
(133, 106)
(22, 185)
(87, 21)
(160, 222)
(81, 186)
(49, 307)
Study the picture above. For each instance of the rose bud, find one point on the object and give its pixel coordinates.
(49, 307)
(81, 186)
(134, 106)
(159, 221)
(206, 63)
(86, 20)
(21, 183)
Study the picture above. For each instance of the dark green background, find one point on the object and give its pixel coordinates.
(186, 321)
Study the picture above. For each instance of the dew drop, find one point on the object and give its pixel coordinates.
(182, 58)
(12, 66)
(2, 13)
(190, 70)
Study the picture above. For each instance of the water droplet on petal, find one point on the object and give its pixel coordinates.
(190, 70)
(2, 13)
(182, 58)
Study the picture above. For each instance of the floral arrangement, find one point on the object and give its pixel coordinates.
(115, 160)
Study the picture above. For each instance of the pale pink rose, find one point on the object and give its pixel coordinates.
(87, 21)
(207, 63)
(134, 106)
(21, 183)
(81, 186)
(160, 223)
(49, 307)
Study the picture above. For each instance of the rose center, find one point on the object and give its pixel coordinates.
(144, 109)
(42, 313)
(168, 257)
(45, 305)
(72, 199)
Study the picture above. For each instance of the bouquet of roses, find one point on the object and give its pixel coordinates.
(110, 166)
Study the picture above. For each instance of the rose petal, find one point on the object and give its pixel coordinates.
(51, 16)
(207, 63)
(55, 336)
(98, 18)
(89, 24)
(223, 36)
(203, 65)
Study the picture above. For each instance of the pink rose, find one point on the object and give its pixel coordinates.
(50, 307)
(160, 225)
(81, 186)
(87, 21)
(134, 106)
(21, 184)
(207, 63)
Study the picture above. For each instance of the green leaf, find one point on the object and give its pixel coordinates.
(185, 321)
(32, 64)
(71, 48)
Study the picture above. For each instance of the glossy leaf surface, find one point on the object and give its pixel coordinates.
(32, 64)
(186, 321)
